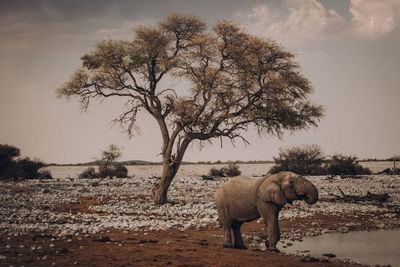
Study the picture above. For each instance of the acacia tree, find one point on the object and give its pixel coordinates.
(237, 80)
(108, 159)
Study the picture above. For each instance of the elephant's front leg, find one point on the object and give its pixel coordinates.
(274, 233)
(270, 212)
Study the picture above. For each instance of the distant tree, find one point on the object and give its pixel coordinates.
(7, 161)
(11, 167)
(108, 160)
(305, 160)
(395, 158)
(8, 153)
(237, 81)
(109, 167)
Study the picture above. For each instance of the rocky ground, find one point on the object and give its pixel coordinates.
(114, 222)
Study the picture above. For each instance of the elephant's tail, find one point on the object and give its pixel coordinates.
(223, 216)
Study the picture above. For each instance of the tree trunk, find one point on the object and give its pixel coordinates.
(171, 164)
(160, 189)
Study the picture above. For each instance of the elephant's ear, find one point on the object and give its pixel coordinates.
(270, 191)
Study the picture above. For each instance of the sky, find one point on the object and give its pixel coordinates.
(348, 49)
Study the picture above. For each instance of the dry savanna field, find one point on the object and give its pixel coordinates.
(68, 221)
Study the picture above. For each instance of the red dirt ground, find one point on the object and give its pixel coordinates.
(161, 248)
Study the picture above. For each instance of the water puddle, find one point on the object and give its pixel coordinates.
(374, 247)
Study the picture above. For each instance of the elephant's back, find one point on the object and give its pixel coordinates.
(238, 188)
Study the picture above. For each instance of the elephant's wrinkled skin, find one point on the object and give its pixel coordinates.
(245, 199)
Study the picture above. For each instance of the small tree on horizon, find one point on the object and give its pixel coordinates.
(394, 159)
(108, 160)
(108, 165)
(238, 81)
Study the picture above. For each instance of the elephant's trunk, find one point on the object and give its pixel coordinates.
(306, 190)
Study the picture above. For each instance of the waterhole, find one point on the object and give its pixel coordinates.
(367, 247)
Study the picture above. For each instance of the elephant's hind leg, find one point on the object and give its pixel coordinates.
(227, 237)
(226, 223)
(238, 236)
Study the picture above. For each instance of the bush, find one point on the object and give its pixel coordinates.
(345, 165)
(105, 171)
(390, 171)
(118, 170)
(89, 173)
(44, 174)
(216, 172)
(230, 171)
(309, 160)
(305, 160)
(13, 168)
(28, 169)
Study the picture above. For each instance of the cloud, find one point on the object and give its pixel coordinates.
(305, 21)
(373, 18)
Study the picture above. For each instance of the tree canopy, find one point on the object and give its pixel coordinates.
(237, 81)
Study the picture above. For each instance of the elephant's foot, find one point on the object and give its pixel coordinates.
(240, 246)
(274, 249)
(227, 245)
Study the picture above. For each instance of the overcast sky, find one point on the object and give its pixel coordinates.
(348, 49)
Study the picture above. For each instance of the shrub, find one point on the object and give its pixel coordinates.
(230, 171)
(345, 165)
(44, 174)
(89, 173)
(13, 168)
(105, 171)
(309, 160)
(216, 172)
(28, 169)
(305, 160)
(390, 171)
(120, 171)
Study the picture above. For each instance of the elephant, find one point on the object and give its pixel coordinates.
(245, 199)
